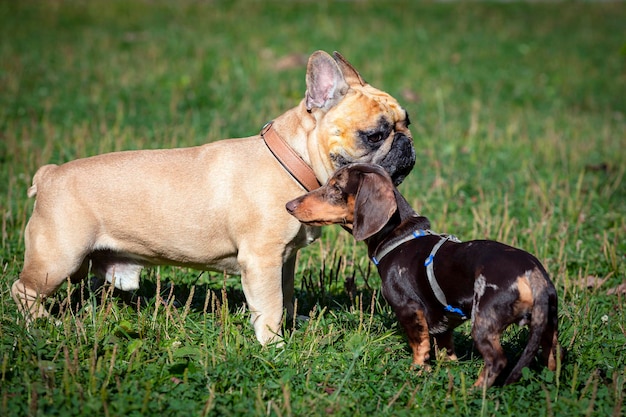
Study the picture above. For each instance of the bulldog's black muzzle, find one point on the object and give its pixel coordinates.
(400, 159)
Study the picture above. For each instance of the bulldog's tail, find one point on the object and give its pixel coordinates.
(543, 328)
(38, 178)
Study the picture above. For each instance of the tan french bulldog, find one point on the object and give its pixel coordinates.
(219, 206)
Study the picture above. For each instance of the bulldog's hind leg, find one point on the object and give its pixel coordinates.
(122, 272)
(50, 258)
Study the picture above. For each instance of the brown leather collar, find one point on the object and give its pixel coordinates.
(289, 159)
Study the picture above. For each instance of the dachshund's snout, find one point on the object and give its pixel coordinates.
(292, 205)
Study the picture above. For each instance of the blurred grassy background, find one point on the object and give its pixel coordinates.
(518, 115)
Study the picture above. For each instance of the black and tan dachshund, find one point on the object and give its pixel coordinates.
(433, 282)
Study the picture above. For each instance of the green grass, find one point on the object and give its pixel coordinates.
(518, 115)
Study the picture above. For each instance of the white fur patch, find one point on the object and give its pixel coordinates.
(402, 271)
(479, 290)
(125, 276)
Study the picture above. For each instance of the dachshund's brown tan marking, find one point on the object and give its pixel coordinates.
(433, 282)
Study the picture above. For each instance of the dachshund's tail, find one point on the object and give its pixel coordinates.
(543, 328)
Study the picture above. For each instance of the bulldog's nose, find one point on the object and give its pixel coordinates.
(292, 206)
(400, 159)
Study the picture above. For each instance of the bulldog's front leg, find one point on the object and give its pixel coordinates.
(261, 279)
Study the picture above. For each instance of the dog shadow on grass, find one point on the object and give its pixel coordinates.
(206, 292)
(315, 291)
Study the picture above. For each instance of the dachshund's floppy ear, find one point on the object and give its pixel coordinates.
(375, 204)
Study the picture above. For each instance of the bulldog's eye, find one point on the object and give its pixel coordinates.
(376, 137)
(377, 134)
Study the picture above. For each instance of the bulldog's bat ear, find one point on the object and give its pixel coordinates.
(350, 73)
(325, 82)
(374, 205)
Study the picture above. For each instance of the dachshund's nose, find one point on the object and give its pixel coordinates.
(292, 206)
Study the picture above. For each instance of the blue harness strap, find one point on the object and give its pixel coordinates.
(428, 263)
(430, 273)
(414, 235)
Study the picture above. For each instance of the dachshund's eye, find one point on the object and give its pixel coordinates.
(334, 193)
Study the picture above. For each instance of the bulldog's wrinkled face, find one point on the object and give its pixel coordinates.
(369, 126)
(355, 121)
